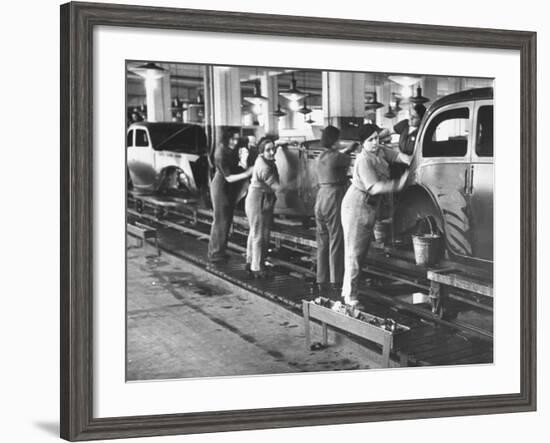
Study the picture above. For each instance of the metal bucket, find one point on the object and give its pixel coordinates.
(427, 247)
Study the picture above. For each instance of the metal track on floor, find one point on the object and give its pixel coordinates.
(428, 343)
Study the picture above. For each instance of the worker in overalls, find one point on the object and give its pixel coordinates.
(361, 203)
(223, 190)
(259, 205)
(332, 166)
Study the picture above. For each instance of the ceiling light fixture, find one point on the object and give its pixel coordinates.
(150, 71)
(292, 93)
(374, 104)
(390, 113)
(257, 98)
(418, 98)
(404, 80)
(279, 112)
(304, 109)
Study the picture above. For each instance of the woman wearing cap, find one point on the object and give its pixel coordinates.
(259, 205)
(408, 131)
(361, 203)
(332, 167)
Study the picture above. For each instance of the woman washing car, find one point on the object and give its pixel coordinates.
(360, 206)
(259, 205)
(224, 190)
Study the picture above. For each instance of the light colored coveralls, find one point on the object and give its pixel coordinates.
(259, 205)
(332, 167)
(359, 213)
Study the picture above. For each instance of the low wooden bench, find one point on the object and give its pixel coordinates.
(143, 233)
(441, 282)
(359, 328)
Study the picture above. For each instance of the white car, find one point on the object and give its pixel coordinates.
(164, 157)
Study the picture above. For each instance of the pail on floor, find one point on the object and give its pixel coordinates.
(427, 247)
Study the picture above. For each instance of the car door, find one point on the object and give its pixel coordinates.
(481, 180)
(141, 159)
(445, 167)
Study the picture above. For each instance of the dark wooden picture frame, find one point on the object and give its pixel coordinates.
(77, 23)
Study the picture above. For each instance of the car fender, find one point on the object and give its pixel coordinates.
(418, 201)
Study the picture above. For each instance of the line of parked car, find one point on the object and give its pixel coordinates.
(450, 178)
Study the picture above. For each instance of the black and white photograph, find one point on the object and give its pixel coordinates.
(242, 222)
(284, 220)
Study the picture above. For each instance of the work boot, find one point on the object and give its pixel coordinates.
(335, 291)
(259, 275)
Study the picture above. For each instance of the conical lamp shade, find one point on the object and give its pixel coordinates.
(293, 93)
(374, 104)
(304, 109)
(279, 112)
(418, 98)
(390, 113)
(257, 98)
(150, 70)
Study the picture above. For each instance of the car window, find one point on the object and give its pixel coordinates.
(129, 138)
(447, 134)
(484, 142)
(141, 138)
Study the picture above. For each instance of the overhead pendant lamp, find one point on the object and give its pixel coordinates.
(257, 98)
(292, 93)
(310, 120)
(150, 70)
(390, 113)
(404, 80)
(374, 104)
(418, 98)
(279, 112)
(304, 109)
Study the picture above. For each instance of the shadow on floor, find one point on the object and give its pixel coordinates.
(49, 427)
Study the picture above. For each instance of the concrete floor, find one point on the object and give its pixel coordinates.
(184, 322)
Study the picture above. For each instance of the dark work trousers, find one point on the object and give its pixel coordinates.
(330, 236)
(358, 219)
(223, 202)
(259, 207)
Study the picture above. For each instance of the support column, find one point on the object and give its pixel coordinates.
(344, 101)
(227, 96)
(226, 101)
(158, 96)
(270, 90)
